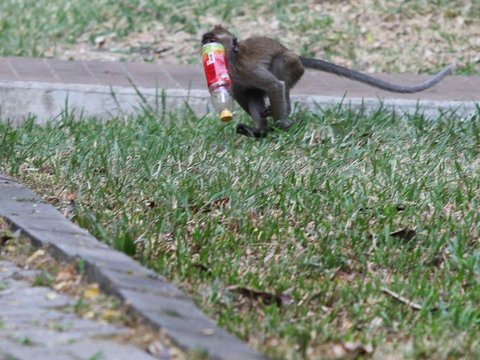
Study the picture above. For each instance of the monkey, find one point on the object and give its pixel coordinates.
(261, 68)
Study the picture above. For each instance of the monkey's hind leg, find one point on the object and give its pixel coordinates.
(282, 122)
(287, 67)
(285, 124)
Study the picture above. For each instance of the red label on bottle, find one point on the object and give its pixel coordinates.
(215, 64)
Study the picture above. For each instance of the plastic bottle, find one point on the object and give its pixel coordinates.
(218, 80)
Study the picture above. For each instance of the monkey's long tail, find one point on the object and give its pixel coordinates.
(370, 80)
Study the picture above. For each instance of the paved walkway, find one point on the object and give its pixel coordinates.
(38, 323)
(191, 77)
(44, 86)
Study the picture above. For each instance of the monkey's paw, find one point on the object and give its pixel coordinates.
(249, 131)
(244, 130)
(283, 124)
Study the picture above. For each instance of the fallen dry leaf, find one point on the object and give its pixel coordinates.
(67, 279)
(10, 248)
(111, 315)
(267, 297)
(404, 234)
(35, 256)
(89, 315)
(92, 291)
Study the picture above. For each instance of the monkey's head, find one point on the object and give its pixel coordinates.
(221, 35)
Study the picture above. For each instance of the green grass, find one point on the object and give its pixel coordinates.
(97, 356)
(31, 27)
(25, 340)
(44, 279)
(311, 217)
(28, 28)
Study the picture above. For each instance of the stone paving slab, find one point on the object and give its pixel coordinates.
(148, 295)
(35, 326)
(104, 89)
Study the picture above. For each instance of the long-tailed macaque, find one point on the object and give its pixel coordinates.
(262, 68)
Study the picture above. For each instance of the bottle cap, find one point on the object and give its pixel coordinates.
(226, 115)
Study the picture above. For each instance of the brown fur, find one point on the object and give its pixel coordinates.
(262, 68)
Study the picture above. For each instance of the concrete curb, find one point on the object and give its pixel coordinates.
(429, 108)
(148, 295)
(19, 99)
(46, 101)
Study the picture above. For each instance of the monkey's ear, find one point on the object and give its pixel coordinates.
(208, 38)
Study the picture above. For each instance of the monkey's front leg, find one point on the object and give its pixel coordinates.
(255, 109)
(260, 119)
(253, 102)
(285, 124)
